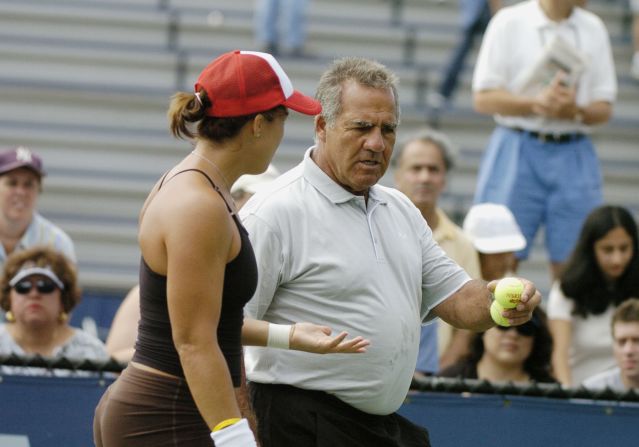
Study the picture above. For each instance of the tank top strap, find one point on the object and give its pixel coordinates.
(208, 178)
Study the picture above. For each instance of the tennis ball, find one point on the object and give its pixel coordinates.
(495, 313)
(508, 292)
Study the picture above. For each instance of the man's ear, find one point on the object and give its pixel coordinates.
(320, 128)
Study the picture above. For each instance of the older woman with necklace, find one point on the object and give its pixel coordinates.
(38, 291)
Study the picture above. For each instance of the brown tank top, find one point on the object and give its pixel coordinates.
(154, 346)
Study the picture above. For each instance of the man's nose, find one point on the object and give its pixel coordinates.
(375, 140)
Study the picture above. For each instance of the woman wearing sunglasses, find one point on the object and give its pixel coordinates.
(508, 354)
(38, 291)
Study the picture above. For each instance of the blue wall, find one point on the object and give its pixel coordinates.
(455, 420)
(58, 412)
(49, 411)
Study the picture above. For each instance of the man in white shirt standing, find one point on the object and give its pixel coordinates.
(336, 248)
(625, 335)
(540, 161)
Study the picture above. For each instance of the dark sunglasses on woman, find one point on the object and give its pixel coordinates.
(42, 286)
(527, 329)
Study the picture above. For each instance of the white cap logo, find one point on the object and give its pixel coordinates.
(23, 154)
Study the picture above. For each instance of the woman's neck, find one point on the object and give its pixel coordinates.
(39, 340)
(497, 372)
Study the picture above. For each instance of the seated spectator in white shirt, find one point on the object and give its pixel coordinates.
(625, 335)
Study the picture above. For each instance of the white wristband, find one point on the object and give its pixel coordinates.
(278, 336)
(236, 435)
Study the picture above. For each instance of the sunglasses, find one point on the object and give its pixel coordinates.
(41, 285)
(527, 329)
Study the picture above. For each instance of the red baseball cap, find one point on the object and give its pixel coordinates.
(245, 82)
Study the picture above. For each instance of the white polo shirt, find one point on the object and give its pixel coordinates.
(514, 41)
(326, 257)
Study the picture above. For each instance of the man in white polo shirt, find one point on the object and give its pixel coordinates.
(540, 161)
(335, 248)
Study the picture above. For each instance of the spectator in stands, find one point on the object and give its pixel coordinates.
(518, 354)
(625, 347)
(21, 226)
(602, 272)
(247, 185)
(38, 291)
(120, 342)
(422, 163)
(540, 161)
(198, 268)
(335, 246)
(475, 15)
(634, 7)
(124, 329)
(281, 21)
(496, 237)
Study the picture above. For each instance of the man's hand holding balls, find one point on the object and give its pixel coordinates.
(515, 299)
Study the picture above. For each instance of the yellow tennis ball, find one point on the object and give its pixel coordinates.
(508, 292)
(495, 313)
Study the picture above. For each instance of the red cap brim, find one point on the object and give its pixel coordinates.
(303, 104)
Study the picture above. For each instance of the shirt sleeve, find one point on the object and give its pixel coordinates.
(441, 276)
(268, 250)
(604, 79)
(84, 346)
(559, 307)
(491, 70)
(64, 244)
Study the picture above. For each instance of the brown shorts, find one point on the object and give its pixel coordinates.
(145, 409)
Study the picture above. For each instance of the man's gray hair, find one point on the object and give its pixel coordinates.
(364, 71)
(440, 140)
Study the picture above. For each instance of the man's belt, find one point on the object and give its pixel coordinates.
(551, 137)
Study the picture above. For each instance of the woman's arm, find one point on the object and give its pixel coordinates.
(124, 328)
(561, 331)
(198, 236)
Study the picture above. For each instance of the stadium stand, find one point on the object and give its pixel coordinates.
(86, 84)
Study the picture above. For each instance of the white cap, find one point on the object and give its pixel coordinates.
(493, 229)
(253, 183)
(31, 270)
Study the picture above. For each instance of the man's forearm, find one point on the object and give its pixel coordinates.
(502, 102)
(468, 308)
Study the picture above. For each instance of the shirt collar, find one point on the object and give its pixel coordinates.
(539, 19)
(327, 186)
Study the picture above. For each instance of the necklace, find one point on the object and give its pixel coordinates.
(226, 183)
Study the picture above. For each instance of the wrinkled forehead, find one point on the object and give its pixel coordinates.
(357, 97)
